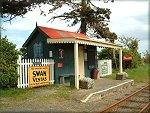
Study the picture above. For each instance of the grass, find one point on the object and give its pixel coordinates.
(60, 95)
(13, 92)
(140, 74)
(12, 97)
(23, 94)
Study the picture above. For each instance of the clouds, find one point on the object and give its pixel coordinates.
(131, 19)
(20, 28)
(128, 18)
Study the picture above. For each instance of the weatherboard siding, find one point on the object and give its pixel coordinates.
(67, 61)
(36, 38)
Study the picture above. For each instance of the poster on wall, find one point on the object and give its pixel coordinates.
(38, 76)
(104, 68)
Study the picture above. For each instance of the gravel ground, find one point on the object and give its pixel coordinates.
(55, 105)
(135, 104)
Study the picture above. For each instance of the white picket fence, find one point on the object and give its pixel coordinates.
(23, 65)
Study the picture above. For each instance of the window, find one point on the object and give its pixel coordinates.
(38, 50)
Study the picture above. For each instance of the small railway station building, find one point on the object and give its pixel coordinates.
(73, 53)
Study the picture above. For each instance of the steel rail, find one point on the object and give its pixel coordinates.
(118, 103)
(146, 107)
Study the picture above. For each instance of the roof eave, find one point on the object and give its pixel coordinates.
(85, 41)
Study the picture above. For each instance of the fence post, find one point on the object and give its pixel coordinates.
(18, 70)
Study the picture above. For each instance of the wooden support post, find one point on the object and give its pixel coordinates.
(76, 60)
(120, 60)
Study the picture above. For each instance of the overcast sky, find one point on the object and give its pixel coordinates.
(128, 18)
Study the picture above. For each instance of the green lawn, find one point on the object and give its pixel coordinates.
(140, 74)
(13, 97)
(59, 91)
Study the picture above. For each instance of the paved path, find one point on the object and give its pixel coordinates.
(99, 85)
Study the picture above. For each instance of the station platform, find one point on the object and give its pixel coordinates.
(102, 87)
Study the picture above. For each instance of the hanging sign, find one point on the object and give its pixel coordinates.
(127, 58)
(39, 76)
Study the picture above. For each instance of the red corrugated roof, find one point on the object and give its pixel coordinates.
(56, 33)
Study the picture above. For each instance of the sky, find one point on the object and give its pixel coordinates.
(128, 18)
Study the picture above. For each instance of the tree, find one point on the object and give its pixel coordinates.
(130, 43)
(8, 63)
(10, 9)
(92, 18)
(15, 8)
(131, 49)
(107, 54)
(146, 57)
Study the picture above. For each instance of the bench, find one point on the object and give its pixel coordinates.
(62, 77)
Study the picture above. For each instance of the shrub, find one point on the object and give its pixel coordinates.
(8, 63)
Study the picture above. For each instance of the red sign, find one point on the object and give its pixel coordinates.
(60, 65)
(127, 58)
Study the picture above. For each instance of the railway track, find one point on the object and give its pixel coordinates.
(137, 102)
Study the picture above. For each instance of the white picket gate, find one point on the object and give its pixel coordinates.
(23, 65)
